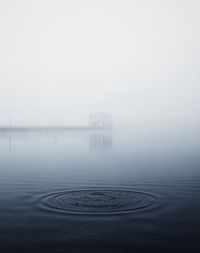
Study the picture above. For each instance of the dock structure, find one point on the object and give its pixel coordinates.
(97, 121)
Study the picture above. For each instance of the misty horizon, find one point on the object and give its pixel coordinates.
(99, 126)
(61, 61)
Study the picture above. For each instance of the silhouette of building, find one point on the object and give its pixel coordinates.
(101, 120)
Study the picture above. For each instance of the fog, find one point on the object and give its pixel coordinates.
(61, 60)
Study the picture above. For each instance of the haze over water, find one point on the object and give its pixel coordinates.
(73, 188)
(62, 60)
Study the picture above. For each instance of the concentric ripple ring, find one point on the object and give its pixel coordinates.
(98, 201)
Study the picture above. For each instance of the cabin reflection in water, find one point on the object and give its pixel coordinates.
(101, 141)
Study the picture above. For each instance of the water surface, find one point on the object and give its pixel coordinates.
(100, 191)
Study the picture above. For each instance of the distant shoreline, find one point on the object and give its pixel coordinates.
(49, 128)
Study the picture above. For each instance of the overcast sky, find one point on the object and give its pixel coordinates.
(63, 59)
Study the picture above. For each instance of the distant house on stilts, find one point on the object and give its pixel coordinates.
(101, 120)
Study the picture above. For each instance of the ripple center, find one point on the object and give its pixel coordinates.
(97, 201)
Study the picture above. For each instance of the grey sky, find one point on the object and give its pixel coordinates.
(61, 60)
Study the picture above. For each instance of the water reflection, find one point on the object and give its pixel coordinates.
(28, 141)
(10, 143)
(101, 141)
(145, 182)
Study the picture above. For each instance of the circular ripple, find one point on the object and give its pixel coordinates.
(98, 201)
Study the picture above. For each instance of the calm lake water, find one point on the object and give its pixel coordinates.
(100, 191)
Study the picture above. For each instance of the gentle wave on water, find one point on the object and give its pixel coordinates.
(99, 201)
